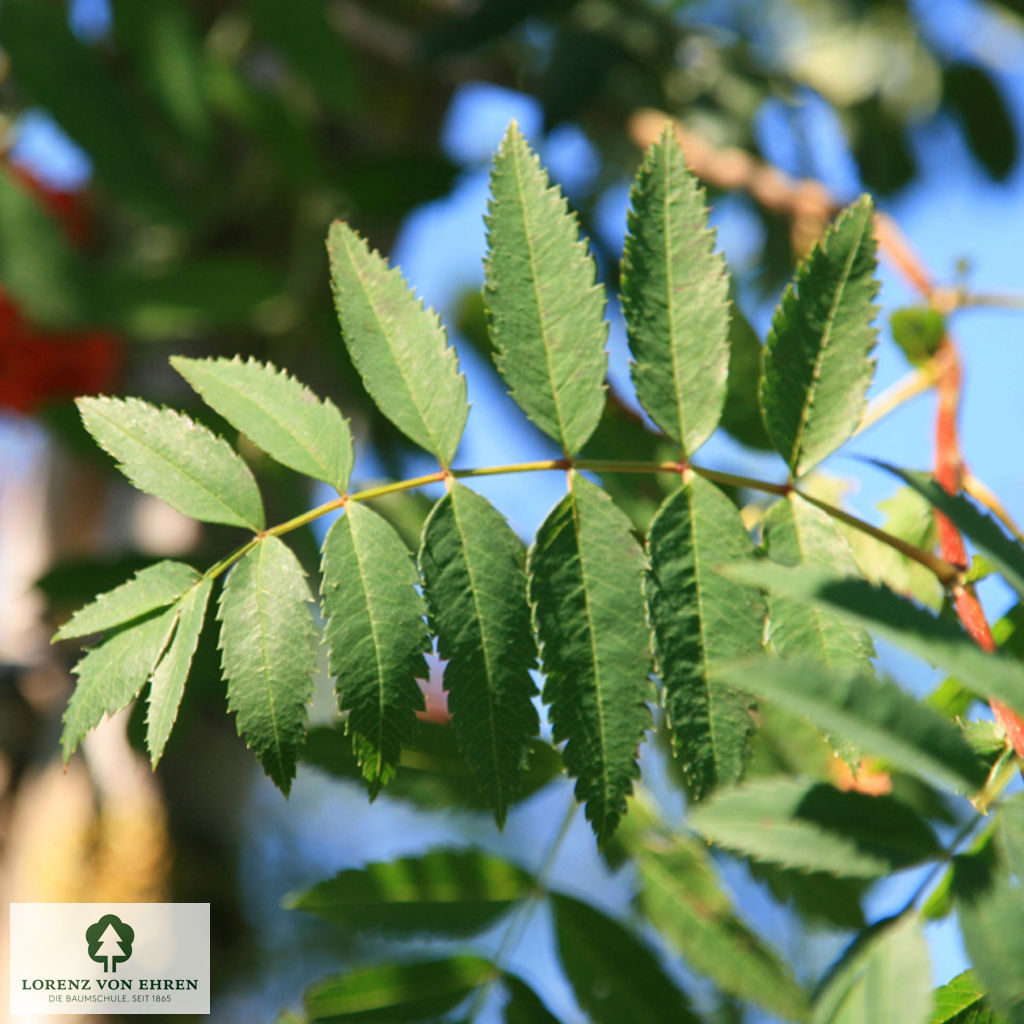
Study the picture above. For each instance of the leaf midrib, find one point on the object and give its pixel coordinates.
(271, 702)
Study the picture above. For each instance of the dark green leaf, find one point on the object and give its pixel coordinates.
(615, 976)
(586, 573)
(166, 454)
(741, 414)
(674, 298)
(683, 899)
(112, 673)
(989, 124)
(447, 892)
(396, 993)
(871, 712)
(991, 909)
(816, 365)
(816, 827)
(154, 587)
(398, 347)
(268, 652)
(524, 1006)
(64, 76)
(700, 617)
(546, 313)
(168, 684)
(888, 980)
(375, 636)
(277, 413)
(475, 584)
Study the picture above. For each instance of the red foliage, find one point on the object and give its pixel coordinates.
(36, 365)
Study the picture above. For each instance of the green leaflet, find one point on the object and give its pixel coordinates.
(397, 993)
(991, 908)
(447, 892)
(682, 897)
(674, 298)
(585, 572)
(899, 621)
(699, 617)
(545, 312)
(524, 1006)
(398, 347)
(741, 414)
(797, 533)
(166, 454)
(268, 654)
(816, 365)
(615, 976)
(153, 587)
(168, 683)
(277, 413)
(888, 980)
(871, 712)
(816, 827)
(375, 636)
(1006, 554)
(962, 1001)
(475, 584)
(112, 673)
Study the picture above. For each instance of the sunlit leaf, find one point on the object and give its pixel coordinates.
(962, 1001)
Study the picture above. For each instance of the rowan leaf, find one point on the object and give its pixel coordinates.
(398, 347)
(277, 413)
(962, 1001)
(168, 683)
(268, 654)
(797, 533)
(815, 827)
(166, 454)
(524, 1006)
(887, 980)
(447, 892)
(616, 977)
(699, 617)
(816, 365)
(675, 299)
(681, 896)
(154, 587)
(544, 309)
(474, 580)
(1005, 554)
(112, 674)
(376, 636)
(871, 712)
(396, 993)
(585, 583)
(991, 908)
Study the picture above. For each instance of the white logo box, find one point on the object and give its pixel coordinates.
(93, 958)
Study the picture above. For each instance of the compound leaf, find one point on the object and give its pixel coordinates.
(475, 583)
(268, 653)
(448, 892)
(398, 347)
(166, 454)
(816, 827)
(376, 636)
(871, 712)
(816, 365)
(683, 899)
(675, 299)
(113, 673)
(168, 683)
(545, 311)
(700, 616)
(277, 413)
(585, 578)
(154, 587)
(396, 993)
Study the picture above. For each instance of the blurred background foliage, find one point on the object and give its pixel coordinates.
(215, 141)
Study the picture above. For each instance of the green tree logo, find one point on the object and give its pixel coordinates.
(110, 941)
